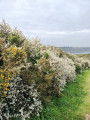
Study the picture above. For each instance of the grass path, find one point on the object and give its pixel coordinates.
(74, 103)
(85, 107)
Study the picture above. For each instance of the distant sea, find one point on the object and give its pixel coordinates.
(76, 50)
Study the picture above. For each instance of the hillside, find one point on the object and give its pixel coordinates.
(76, 50)
(87, 56)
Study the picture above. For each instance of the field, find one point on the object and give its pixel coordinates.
(84, 56)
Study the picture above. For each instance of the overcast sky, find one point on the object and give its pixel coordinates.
(55, 22)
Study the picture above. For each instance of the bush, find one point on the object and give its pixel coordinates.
(61, 64)
(64, 67)
(78, 69)
(46, 55)
(86, 65)
(15, 39)
(13, 56)
(5, 31)
(10, 55)
(42, 75)
(33, 50)
(21, 101)
(11, 36)
(80, 62)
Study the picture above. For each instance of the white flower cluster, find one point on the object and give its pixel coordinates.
(21, 101)
(64, 68)
(57, 51)
(64, 65)
(34, 47)
(80, 61)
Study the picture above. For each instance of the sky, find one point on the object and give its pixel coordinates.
(62, 23)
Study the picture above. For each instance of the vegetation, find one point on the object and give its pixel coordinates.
(73, 104)
(31, 74)
(44, 80)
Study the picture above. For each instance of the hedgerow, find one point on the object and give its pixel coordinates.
(31, 73)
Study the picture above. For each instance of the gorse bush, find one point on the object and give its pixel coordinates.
(10, 56)
(13, 56)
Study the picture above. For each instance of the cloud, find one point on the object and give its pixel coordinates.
(49, 19)
(68, 32)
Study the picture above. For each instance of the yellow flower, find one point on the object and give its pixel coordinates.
(19, 50)
(2, 76)
(13, 49)
(7, 49)
(1, 84)
(5, 95)
(25, 53)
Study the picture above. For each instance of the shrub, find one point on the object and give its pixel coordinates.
(86, 64)
(80, 63)
(57, 51)
(5, 31)
(15, 39)
(63, 66)
(46, 55)
(11, 36)
(33, 50)
(78, 69)
(12, 56)
(42, 75)
(21, 101)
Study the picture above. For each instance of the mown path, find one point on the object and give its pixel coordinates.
(85, 107)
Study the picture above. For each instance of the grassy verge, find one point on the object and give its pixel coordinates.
(87, 56)
(74, 102)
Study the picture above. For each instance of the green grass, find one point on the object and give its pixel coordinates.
(74, 102)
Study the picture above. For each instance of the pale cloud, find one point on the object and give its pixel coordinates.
(68, 32)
